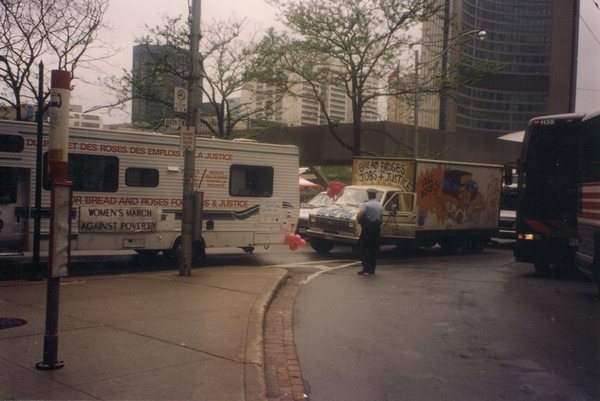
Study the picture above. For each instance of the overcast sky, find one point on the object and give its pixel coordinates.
(126, 19)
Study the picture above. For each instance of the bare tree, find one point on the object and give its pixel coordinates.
(59, 30)
(229, 65)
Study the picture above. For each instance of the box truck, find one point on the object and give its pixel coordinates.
(425, 202)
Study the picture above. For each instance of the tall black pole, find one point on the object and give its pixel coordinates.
(37, 213)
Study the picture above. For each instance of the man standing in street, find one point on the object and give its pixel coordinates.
(369, 216)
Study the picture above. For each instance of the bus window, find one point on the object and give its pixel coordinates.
(141, 177)
(254, 181)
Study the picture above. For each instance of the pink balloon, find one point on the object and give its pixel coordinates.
(293, 246)
(288, 238)
(302, 243)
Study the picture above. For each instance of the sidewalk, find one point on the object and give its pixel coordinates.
(150, 336)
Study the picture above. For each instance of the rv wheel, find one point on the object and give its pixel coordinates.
(147, 253)
(172, 255)
(321, 245)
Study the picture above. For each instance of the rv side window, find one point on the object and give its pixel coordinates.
(250, 181)
(11, 143)
(8, 185)
(141, 177)
(90, 173)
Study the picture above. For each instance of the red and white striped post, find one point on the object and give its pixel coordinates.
(60, 207)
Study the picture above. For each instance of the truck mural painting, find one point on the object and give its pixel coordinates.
(453, 198)
(425, 202)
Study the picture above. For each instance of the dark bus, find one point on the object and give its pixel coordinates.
(559, 153)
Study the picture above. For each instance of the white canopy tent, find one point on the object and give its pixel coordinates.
(513, 136)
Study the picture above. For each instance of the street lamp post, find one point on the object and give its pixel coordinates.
(416, 117)
(481, 34)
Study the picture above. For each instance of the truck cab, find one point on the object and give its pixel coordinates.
(338, 223)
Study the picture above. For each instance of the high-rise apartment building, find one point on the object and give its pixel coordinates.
(535, 42)
(297, 110)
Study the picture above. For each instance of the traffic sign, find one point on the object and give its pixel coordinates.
(180, 100)
(187, 138)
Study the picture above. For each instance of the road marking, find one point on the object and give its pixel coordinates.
(326, 269)
(320, 267)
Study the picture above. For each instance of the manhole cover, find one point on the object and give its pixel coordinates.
(10, 322)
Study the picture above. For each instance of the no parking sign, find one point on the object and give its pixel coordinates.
(180, 100)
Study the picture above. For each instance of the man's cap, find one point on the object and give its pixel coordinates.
(372, 191)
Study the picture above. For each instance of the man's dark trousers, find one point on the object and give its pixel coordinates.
(369, 246)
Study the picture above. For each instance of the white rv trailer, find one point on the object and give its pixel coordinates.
(127, 190)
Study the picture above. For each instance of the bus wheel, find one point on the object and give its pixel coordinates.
(321, 245)
(541, 268)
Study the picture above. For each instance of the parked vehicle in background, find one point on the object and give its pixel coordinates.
(507, 226)
(425, 202)
(587, 256)
(319, 201)
(560, 153)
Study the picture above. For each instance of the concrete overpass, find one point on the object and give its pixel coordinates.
(318, 147)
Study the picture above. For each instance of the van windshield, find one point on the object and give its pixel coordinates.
(355, 197)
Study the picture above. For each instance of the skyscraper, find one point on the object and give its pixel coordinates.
(154, 83)
(535, 42)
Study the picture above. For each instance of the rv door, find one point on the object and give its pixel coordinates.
(399, 217)
(13, 207)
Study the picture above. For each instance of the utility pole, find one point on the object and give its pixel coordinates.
(416, 134)
(193, 114)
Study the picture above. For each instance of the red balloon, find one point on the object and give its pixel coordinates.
(293, 246)
(288, 238)
(302, 243)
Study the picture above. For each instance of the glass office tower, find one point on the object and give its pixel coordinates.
(535, 41)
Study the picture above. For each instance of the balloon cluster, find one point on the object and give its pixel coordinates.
(294, 241)
(335, 189)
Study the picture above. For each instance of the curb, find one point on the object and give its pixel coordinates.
(254, 368)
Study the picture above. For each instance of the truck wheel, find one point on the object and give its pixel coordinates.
(321, 245)
(453, 246)
(477, 245)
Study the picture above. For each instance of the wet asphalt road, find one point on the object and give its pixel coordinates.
(425, 327)
(474, 327)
